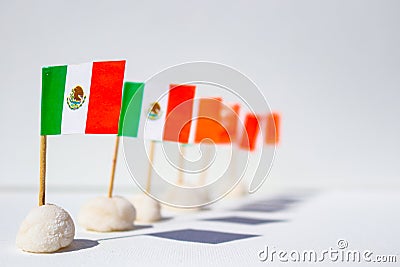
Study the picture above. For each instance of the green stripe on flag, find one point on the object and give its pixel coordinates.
(53, 85)
(130, 110)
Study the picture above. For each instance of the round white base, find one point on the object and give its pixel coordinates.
(239, 191)
(104, 214)
(147, 209)
(46, 229)
(186, 198)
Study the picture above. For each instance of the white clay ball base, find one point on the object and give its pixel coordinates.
(46, 229)
(147, 209)
(104, 214)
(185, 198)
(238, 191)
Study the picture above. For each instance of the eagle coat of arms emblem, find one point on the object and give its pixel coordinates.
(154, 111)
(76, 98)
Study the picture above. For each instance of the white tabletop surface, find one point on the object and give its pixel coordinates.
(367, 220)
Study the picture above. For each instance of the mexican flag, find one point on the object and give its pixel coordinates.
(208, 123)
(230, 117)
(216, 121)
(165, 114)
(83, 98)
(272, 128)
(249, 137)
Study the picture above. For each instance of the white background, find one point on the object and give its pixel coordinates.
(331, 68)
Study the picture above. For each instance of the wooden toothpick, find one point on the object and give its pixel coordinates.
(42, 174)
(204, 173)
(114, 164)
(181, 165)
(150, 170)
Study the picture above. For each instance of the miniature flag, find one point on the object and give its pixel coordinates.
(250, 132)
(208, 123)
(131, 109)
(273, 128)
(166, 114)
(216, 121)
(229, 120)
(83, 98)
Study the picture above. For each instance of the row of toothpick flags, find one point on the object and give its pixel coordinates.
(92, 98)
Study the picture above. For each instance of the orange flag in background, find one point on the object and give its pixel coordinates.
(208, 121)
(272, 135)
(229, 114)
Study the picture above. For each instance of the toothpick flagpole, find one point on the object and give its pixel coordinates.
(42, 174)
(114, 164)
(233, 166)
(150, 170)
(181, 162)
(204, 174)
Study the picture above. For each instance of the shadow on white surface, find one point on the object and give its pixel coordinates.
(79, 244)
(137, 227)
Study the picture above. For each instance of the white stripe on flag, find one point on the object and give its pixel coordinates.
(153, 129)
(195, 113)
(74, 121)
(262, 123)
(240, 130)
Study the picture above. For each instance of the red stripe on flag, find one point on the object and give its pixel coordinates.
(105, 97)
(179, 113)
(250, 133)
(273, 128)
